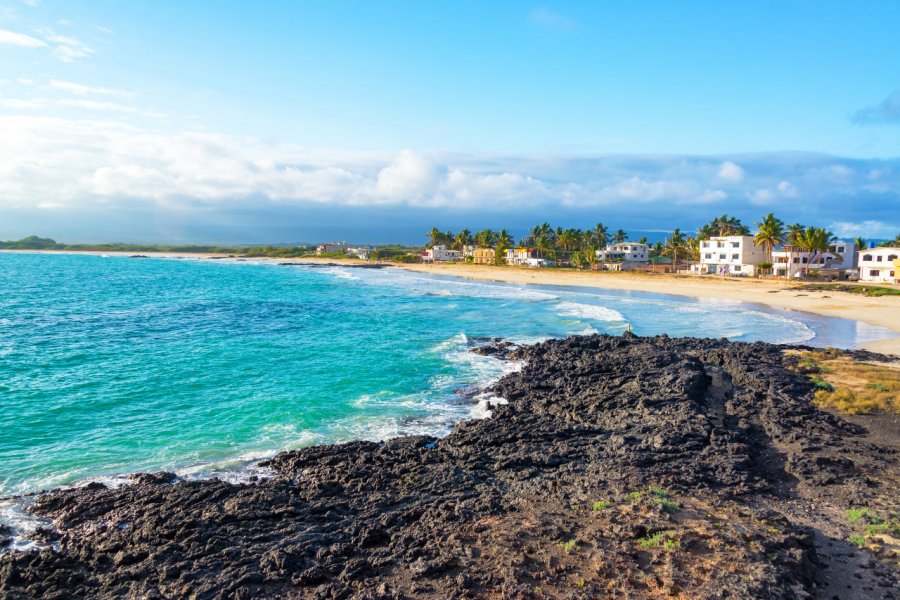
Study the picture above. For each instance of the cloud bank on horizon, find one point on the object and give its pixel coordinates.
(59, 167)
(89, 158)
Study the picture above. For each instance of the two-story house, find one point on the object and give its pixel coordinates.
(880, 265)
(730, 255)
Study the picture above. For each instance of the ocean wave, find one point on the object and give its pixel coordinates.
(590, 311)
(482, 410)
(341, 273)
(792, 330)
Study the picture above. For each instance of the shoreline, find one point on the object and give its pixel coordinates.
(587, 462)
(879, 311)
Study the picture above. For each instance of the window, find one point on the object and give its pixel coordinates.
(737, 268)
(867, 257)
(873, 272)
(721, 257)
(892, 257)
(796, 260)
(840, 250)
(804, 260)
(708, 256)
(735, 244)
(735, 256)
(704, 245)
(878, 258)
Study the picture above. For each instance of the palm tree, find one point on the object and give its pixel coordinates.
(485, 238)
(692, 248)
(503, 241)
(793, 238)
(462, 239)
(673, 245)
(657, 250)
(435, 236)
(860, 243)
(567, 239)
(705, 232)
(814, 240)
(601, 234)
(771, 232)
(576, 259)
(543, 242)
(590, 256)
(620, 237)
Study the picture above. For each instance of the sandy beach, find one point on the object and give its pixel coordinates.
(882, 311)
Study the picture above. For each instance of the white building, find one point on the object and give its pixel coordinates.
(626, 251)
(730, 255)
(362, 253)
(880, 265)
(330, 247)
(520, 256)
(441, 253)
(789, 262)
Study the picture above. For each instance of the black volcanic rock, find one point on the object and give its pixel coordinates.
(622, 467)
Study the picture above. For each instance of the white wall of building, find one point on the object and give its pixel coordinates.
(441, 253)
(787, 262)
(732, 255)
(880, 265)
(628, 251)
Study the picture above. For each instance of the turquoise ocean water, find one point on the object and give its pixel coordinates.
(111, 365)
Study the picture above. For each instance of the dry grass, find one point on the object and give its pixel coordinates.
(851, 386)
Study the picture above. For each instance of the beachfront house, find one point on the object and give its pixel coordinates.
(520, 256)
(483, 256)
(441, 253)
(362, 253)
(791, 262)
(625, 252)
(330, 247)
(880, 265)
(730, 255)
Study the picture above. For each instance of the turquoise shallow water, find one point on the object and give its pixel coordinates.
(110, 365)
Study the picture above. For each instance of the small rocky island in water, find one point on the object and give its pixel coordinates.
(622, 467)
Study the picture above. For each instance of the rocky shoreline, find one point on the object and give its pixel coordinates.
(622, 467)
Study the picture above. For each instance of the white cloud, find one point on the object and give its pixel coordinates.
(24, 104)
(11, 38)
(67, 48)
(80, 103)
(86, 90)
(409, 175)
(109, 162)
(711, 196)
(786, 189)
(63, 47)
(730, 172)
(871, 229)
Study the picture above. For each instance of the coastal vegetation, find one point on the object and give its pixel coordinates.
(864, 290)
(33, 242)
(577, 248)
(848, 385)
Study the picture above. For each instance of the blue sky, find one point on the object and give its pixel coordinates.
(256, 122)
